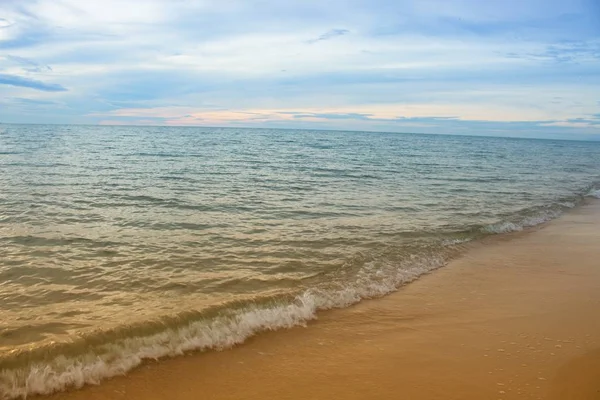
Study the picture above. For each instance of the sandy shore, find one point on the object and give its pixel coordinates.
(515, 318)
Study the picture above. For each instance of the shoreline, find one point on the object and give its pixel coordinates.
(113, 353)
(514, 317)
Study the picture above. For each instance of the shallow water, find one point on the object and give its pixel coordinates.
(123, 243)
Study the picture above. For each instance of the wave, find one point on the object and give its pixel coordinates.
(229, 328)
(108, 354)
(526, 222)
(540, 215)
(534, 216)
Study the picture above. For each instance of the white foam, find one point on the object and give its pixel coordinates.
(506, 227)
(454, 242)
(503, 227)
(595, 193)
(540, 219)
(567, 204)
(118, 357)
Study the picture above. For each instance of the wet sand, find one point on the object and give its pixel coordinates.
(517, 317)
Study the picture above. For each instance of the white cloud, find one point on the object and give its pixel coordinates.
(415, 58)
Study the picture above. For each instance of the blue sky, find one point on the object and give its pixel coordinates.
(514, 68)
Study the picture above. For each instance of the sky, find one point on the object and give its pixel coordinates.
(528, 68)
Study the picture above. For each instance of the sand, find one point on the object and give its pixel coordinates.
(516, 317)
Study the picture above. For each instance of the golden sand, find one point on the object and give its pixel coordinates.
(515, 318)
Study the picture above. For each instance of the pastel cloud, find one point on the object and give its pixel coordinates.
(461, 65)
(390, 117)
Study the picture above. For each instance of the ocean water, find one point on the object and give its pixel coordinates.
(119, 244)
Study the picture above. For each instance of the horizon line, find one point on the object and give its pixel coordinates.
(594, 139)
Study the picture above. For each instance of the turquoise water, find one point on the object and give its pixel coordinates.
(124, 243)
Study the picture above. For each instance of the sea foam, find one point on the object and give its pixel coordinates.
(114, 357)
(527, 222)
(222, 332)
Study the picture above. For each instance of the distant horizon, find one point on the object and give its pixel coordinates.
(498, 68)
(583, 138)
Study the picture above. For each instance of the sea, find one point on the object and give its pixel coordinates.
(125, 244)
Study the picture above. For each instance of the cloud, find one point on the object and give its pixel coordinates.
(559, 129)
(332, 115)
(4, 23)
(394, 118)
(387, 65)
(568, 124)
(32, 66)
(329, 35)
(35, 102)
(19, 81)
(565, 52)
(592, 122)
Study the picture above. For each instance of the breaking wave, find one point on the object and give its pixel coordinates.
(595, 193)
(231, 327)
(528, 222)
(534, 216)
(106, 354)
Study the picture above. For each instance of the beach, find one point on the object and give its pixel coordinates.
(299, 200)
(179, 240)
(516, 317)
